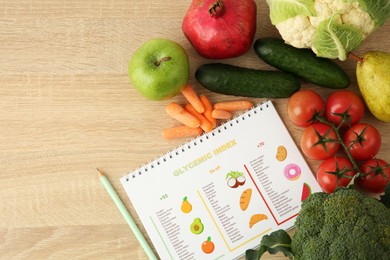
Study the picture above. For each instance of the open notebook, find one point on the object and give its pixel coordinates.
(215, 196)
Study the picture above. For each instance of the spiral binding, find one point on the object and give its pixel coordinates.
(197, 140)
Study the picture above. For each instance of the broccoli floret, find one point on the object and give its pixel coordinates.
(343, 225)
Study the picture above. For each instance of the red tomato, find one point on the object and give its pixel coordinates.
(319, 141)
(364, 140)
(376, 176)
(302, 107)
(339, 102)
(331, 173)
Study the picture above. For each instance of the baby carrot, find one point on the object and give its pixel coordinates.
(233, 105)
(221, 114)
(180, 132)
(191, 96)
(180, 114)
(204, 123)
(208, 110)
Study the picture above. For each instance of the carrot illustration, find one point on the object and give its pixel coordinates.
(221, 114)
(177, 112)
(180, 132)
(204, 123)
(191, 96)
(208, 109)
(233, 105)
(245, 199)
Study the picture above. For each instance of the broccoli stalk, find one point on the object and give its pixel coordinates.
(345, 224)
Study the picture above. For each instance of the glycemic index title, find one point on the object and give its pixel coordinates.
(205, 157)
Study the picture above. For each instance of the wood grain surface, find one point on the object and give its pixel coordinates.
(67, 107)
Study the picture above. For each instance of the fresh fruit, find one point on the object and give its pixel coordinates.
(376, 176)
(197, 226)
(363, 140)
(302, 63)
(373, 77)
(306, 191)
(159, 69)
(334, 172)
(238, 81)
(219, 29)
(186, 207)
(319, 141)
(303, 106)
(208, 246)
(344, 103)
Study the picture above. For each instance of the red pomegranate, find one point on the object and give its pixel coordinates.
(219, 29)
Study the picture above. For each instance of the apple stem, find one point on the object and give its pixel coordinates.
(216, 8)
(158, 62)
(354, 57)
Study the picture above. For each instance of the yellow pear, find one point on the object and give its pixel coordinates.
(373, 77)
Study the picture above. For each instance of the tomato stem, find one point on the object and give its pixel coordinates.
(346, 148)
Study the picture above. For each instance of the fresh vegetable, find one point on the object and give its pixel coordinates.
(233, 80)
(330, 28)
(373, 77)
(376, 176)
(302, 63)
(335, 172)
(342, 225)
(341, 101)
(191, 96)
(235, 105)
(219, 29)
(303, 106)
(359, 141)
(319, 141)
(181, 132)
(208, 110)
(221, 114)
(177, 112)
(363, 141)
(204, 123)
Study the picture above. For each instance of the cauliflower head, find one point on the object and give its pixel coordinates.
(331, 28)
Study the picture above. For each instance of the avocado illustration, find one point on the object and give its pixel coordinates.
(196, 226)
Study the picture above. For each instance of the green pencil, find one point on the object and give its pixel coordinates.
(122, 208)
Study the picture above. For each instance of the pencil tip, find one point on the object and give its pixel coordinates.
(99, 172)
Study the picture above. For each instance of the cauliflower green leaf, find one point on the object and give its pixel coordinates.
(281, 10)
(379, 10)
(335, 40)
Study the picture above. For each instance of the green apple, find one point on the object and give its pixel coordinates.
(159, 69)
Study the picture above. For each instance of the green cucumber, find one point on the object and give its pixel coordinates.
(302, 63)
(238, 81)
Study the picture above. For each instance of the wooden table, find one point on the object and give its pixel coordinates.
(67, 107)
